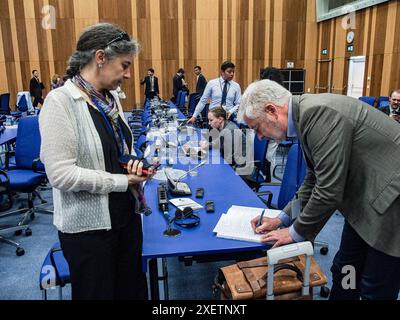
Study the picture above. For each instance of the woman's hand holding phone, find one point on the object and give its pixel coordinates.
(136, 173)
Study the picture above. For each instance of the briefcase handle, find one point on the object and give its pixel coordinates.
(285, 252)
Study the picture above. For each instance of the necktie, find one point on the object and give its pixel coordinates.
(151, 84)
(224, 93)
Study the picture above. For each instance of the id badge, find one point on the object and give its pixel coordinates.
(296, 208)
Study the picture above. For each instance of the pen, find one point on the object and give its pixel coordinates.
(259, 221)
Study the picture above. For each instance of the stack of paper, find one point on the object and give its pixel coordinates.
(235, 224)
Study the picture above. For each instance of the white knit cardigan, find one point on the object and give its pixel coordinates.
(72, 153)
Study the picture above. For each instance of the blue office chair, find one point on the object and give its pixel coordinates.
(368, 99)
(178, 98)
(29, 172)
(262, 167)
(383, 104)
(194, 99)
(279, 194)
(22, 104)
(141, 143)
(54, 272)
(5, 103)
(5, 106)
(6, 202)
(382, 101)
(202, 120)
(181, 101)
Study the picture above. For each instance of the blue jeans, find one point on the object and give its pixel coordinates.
(377, 274)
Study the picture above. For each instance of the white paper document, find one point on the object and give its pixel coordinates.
(235, 224)
(182, 203)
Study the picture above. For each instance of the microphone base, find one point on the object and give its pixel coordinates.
(171, 232)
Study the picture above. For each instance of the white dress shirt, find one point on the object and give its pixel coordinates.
(213, 91)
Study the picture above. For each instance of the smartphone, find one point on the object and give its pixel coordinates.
(155, 166)
(210, 207)
(123, 160)
(199, 192)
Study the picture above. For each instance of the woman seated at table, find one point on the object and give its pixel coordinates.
(223, 130)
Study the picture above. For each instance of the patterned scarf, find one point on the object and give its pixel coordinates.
(108, 104)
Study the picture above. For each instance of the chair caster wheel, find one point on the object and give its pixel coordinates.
(20, 252)
(18, 232)
(28, 232)
(324, 292)
(324, 251)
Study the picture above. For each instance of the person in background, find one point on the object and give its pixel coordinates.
(345, 144)
(151, 89)
(217, 119)
(201, 81)
(96, 201)
(222, 91)
(56, 82)
(273, 74)
(393, 109)
(178, 83)
(35, 89)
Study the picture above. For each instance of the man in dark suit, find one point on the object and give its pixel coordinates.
(393, 109)
(178, 82)
(35, 89)
(151, 89)
(201, 81)
(345, 143)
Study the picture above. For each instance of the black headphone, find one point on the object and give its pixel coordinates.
(186, 218)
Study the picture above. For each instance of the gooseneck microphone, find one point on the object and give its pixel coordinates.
(194, 168)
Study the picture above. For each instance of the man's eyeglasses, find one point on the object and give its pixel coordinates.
(120, 37)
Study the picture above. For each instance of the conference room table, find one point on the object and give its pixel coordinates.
(6, 137)
(9, 134)
(225, 188)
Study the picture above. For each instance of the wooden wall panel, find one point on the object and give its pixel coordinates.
(184, 33)
(311, 47)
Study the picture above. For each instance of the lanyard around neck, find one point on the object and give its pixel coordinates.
(111, 129)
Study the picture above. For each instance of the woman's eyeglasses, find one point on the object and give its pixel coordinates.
(120, 37)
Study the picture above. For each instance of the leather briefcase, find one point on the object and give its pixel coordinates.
(248, 279)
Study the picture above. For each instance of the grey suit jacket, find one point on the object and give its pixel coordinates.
(353, 165)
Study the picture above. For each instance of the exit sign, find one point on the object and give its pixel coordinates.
(324, 52)
(350, 48)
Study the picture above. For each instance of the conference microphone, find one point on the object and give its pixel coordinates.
(194, 168)
(168, 144)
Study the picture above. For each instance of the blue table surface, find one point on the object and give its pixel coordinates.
(221, 185)
(8, 134)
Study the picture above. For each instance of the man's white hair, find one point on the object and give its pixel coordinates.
(258, 94)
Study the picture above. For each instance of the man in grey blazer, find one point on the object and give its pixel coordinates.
(353, 165)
